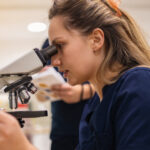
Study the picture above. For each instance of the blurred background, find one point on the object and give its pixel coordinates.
(17, 36)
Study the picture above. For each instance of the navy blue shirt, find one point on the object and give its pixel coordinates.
(85, 135)
(121, 121)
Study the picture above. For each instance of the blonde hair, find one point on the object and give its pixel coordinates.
(125, 47)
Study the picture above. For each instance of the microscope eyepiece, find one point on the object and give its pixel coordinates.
(49, 52)
(46, 53)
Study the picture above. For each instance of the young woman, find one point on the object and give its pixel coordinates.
(100, 43)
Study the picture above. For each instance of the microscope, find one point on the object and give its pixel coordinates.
(16, 80)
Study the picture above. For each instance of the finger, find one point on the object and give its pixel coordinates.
(54, 95)
(41, 96)
(66, 87)
(56, 87)
(62, 88)
(5, 117)
(63, 93)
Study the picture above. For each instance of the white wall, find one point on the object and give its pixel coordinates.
(17, 14)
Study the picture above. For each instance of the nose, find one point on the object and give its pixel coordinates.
(55, 60)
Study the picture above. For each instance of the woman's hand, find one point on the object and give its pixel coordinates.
(69, 94)
(11, 135)
(40, 95)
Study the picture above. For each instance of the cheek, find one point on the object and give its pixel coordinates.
(71, 56)
(76, 53)
(79, 60)
(85, 72)
(81, 71)
(78, 77)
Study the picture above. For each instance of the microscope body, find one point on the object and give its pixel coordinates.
(16, 77)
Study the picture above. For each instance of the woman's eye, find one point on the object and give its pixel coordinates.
(59, 46)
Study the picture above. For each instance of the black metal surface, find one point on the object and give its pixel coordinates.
(48, 52)
(13, 100)
(29, 114)
(17, 84)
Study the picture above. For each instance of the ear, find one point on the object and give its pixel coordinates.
(97, 39)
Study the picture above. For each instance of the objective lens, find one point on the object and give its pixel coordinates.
(23, 95)
(13, 100)
(31, 88)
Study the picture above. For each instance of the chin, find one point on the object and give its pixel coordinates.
(73, 81)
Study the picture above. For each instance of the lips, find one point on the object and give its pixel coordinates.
(65, 73)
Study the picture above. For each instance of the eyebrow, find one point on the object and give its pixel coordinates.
(54, 41)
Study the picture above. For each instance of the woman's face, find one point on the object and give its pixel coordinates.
(75, 57)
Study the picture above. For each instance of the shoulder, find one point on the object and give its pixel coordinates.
(131, 80)
(136, 80)
(138, 77)
(135, 73)
(130, 92)
(133, 91)
(132, 104)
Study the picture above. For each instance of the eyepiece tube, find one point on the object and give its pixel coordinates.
(49, 52)
(46, 53)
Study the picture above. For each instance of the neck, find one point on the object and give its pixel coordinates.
(98, 88)
(99, 85)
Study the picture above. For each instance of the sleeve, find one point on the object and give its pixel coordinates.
(132, 116)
